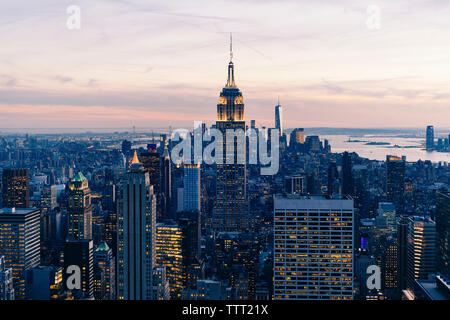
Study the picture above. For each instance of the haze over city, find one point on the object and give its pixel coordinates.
(153, 63)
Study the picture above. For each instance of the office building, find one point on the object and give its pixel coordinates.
(45, 283)
(295, 184)
(16, 188)
(443, 232)
(395, 182)
(6, 281)
(191, 190)
(104, 262)
(421, 249)
(348, 187)
(20, 243)
(313, 243)
(170, 254)
(429, 144)
(81, 253)
(136, 235)
(79, 209)
(279, 118)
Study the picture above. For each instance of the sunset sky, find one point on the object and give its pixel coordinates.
(160, 63)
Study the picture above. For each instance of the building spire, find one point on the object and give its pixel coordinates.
(135, 158)
(230, 80)
(231, 47)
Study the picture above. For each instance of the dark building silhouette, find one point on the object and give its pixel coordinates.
(348, 187)
(333, 178)
(81, 253)
(430, 138)
(16, 188)
(395, 182)
(443, 232)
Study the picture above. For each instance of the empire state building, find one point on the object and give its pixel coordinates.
(230, 210)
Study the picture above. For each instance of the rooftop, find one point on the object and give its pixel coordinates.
(79, 177)
(17, 211)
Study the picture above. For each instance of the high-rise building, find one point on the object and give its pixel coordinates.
(6, 281)
(81, 253)
(333, 179)
(79, 209)
(430, 138)
(16, 188)
(443, 232)
(421, 249)
(402, 253)
(161, 289)
(295, 184)
(20, 243)
(48, 197)
(169, 254)
(151, 160)
(136, 235)
(279, 118)
(313, 243)
(230, 210)
(395, 182)
(191, 191)
(45, 283)
(297, 136)
(166, 181)
(348, 187)
(104, 261)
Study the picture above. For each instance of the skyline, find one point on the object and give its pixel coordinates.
(175, 60)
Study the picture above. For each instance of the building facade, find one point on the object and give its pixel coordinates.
(313, 243)
(136, 235)
(20, 242)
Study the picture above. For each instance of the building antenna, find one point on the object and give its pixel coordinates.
(231, 46)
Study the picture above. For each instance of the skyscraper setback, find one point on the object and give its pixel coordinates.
(230, 211)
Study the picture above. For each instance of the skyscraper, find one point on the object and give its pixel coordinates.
(395, 182)
(81, 253)
(136, 235)
(443, 232)
(421, 249)
(402, 250)
(104, 261)
(348, 187)
(20, 243)
(166, 180)
(313, 243)
(79, 209)
(48, 197)
(16, 188)
(279, 118)
(191, 197)
(297, 136)
(169, 254)
(152, 163)
(230, 210)
(333, 179)
(430, 138)
(6, 281)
